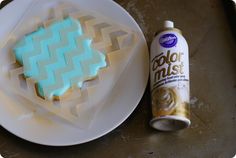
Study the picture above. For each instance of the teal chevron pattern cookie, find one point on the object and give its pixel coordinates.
(58, 58)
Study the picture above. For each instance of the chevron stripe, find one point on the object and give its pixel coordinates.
(98, 31)
(102, 33)
(115, 44)
(71, 60)
(76, 69)
(29, 65)
(53, 67)
(40, 50)
(91, 22)
(106, 39)
(59, 50)
(83, 20)
(52, 56)
(54, 38)
(91, 66)
(95, 27)
(60, 59)
(57, 72)
(100, 36)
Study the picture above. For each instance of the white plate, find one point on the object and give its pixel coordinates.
(129, 88)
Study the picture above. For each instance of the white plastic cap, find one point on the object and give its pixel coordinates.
(168, 24)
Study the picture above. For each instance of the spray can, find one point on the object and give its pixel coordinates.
(169, 79)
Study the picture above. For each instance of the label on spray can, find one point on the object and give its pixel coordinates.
(169, 79)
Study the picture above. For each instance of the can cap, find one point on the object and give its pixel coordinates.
(168, 24)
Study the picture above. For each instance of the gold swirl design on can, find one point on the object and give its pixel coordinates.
(164, 101)
(167, 101)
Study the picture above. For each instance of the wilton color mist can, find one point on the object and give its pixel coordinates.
(169, 79)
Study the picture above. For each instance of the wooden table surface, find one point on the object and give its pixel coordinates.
(213, 93)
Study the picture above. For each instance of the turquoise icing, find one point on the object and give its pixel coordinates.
(58, 57)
